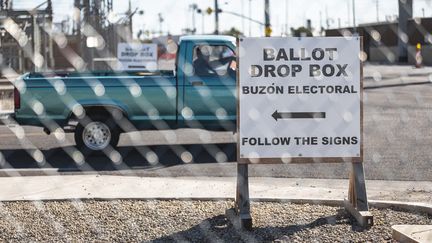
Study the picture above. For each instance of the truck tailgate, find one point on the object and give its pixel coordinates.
(6, 98)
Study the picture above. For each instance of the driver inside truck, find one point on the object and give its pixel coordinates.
(214, 60)
(201, 64)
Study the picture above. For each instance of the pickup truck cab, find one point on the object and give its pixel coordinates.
(199, 93)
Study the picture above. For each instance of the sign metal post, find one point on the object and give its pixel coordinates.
(300, 101)
(357, 203)
(240, 215)
(242, 197)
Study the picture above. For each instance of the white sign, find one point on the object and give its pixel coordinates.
(136, 56)
(299, 98)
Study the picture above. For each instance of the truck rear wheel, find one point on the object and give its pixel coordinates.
(96, 135)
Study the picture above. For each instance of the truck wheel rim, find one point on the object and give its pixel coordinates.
(96, 135)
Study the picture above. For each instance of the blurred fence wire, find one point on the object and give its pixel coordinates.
(397, 110)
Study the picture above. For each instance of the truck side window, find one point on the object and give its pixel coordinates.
(213, 60)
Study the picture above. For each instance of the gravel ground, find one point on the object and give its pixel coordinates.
(196, 221)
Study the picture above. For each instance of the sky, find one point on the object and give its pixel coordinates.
(178, 15)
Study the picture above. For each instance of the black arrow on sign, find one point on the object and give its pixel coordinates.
(298, 115)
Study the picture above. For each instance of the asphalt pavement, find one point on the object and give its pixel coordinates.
(397, 142)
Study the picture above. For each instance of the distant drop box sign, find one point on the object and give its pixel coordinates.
(136, 56)
(300, 100)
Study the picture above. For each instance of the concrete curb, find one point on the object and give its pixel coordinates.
(27, 172)
(406, 206)
(405, 75)
(395, 85)
(412, 233)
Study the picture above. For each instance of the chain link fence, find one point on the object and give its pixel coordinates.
(67, 109)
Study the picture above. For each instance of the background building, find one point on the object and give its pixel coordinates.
(380, 40)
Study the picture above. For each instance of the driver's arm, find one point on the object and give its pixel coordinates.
(222, 61)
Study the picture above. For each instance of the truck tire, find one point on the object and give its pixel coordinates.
(97, 134)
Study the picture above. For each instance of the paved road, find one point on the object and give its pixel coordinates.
(398, 142)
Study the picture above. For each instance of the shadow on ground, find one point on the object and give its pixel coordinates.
(132, 157)
(219, 228)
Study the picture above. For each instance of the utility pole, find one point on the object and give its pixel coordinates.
(242, 13)
(321, 23)
(349, 13)
(286, 18)
(130, 19)
(250, 17)
(193, 22)
(77, 19)
(309, 24)
(202, 23)
(377, 9)
(50, 40)
(354, 17)
(268, 29)
(160, 23)
(113, 38)
(216, 17)
(202, 12)
(194, 8)
(37, 40)
(327, 18)
(86, 21)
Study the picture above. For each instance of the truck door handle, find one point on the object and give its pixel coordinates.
(197, 83)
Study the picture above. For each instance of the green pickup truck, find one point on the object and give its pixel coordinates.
(200, 93)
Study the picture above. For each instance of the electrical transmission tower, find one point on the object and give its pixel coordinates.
(94, 13)
(5, 4)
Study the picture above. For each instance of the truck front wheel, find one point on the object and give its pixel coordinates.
(96, 135)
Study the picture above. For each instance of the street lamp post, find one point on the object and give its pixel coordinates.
(194, 8)
(202, 12)
(267, 18)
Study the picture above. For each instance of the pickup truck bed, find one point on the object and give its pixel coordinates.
(137, 96)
